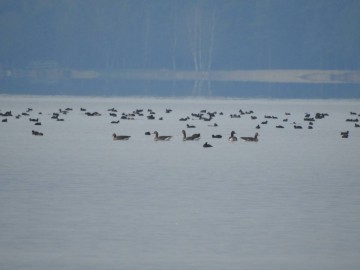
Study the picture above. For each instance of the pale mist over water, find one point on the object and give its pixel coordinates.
(76, 199)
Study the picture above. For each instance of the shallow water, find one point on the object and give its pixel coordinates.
(76, 199)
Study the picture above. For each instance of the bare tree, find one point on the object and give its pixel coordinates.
(201, 25)
(174, 41)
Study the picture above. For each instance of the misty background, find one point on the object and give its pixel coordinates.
(179, 47)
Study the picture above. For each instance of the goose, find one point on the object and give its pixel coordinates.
(194, 137)
(251, 139)
(120, 137)
(161, 138)
(232, 138)
(206, 145)
(218, 136)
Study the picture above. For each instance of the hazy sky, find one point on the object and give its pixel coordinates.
(182, 34)
(193, 35)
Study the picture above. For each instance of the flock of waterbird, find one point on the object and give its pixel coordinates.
(203, 115)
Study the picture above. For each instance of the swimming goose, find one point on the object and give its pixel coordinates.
(161, 138)
(232, 138)
(120, 137)
(194, 137)
(251, 139)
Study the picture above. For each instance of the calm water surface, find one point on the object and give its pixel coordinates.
(76, 199)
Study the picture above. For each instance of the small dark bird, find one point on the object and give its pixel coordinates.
(37, 133)
(344, 134)
(206, 145)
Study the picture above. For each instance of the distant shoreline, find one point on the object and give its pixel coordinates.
(275, 76)
(50, 74)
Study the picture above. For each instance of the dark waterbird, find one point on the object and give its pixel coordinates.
(37, 133)
(344, 134)
(206, 145)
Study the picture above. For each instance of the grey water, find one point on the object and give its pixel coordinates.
(76, 199)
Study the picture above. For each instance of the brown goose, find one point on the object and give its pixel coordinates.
(120, 137)
(251, 139)
(194, 137)
(161, 138)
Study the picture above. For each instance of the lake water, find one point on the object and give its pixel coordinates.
(76, 199)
